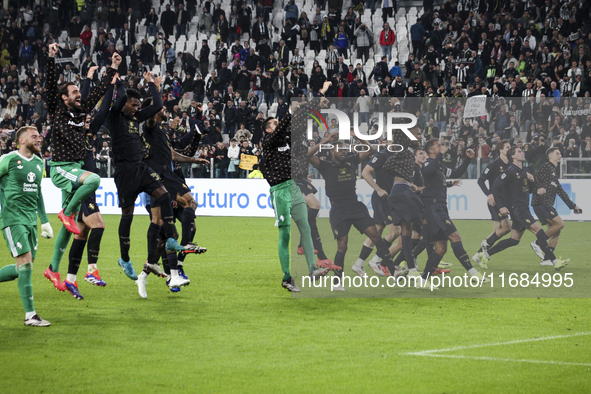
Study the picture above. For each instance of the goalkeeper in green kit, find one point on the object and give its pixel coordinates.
(286, 196)
(20, 179)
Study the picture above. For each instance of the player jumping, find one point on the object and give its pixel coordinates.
(68, 143)
(133, 176)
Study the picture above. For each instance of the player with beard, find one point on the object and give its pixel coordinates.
(21, 172)
(439, 226)
(68, 141)
(511, 191)
(90, 220)
(502, 225)
(160, 158)
(133, 176)
(547, 187)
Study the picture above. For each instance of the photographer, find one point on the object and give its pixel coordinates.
(364, 41)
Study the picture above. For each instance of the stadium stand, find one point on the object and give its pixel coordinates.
(276, 50)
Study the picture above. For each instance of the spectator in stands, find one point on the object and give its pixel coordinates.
(291, 11)
(168, 20)
(387, 38)
(341, 42)
(182, 20)
(417, 36)
(188, 61)
(152, 23)
(85, 37)
(364, 40)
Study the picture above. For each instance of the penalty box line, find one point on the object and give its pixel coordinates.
(435, 352)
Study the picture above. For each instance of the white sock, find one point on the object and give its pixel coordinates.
(174, 273)
(29, 315)
(71, 278)
(359, 262)
(472, 271)
(91, 268)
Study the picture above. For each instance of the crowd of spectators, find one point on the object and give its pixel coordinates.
(532, 58)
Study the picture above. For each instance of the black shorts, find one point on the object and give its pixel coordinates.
(381, 210)
(174, 185)
(306, 186)
(417, 225)
(405, 206)
(88, 207)
(521, 218)
(438, 221)
(131, 181)
(342, 218)
(545, 213)
(495, 214)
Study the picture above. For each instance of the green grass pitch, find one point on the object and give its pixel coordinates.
(234, 329)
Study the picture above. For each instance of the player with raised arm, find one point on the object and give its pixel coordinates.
(511, 191)
(160, 158)
(382, 216)
(346, 210)
(439, 225)
(300, 166)
(502, 225)
(133, 176)
(68, 148)
(547, 187)
(21, 172)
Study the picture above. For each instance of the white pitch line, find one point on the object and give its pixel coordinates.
(501, 359)
(428, 352)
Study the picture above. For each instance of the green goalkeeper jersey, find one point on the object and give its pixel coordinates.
(20, 183)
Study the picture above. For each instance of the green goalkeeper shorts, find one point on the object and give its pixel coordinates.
(21, 239)
(284, 197)
(64, 175)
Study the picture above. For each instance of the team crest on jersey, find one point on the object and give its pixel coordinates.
(31, 177)
(342, 171)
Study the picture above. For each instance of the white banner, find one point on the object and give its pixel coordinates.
(469, 202)
(215, 197)
(250, 197)
(475, 107)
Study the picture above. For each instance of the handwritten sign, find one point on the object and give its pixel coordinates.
(475, 107)
(247, 161)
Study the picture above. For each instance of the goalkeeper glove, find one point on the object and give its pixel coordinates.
(46, 230)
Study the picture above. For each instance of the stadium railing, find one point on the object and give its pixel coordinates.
(575, 167)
